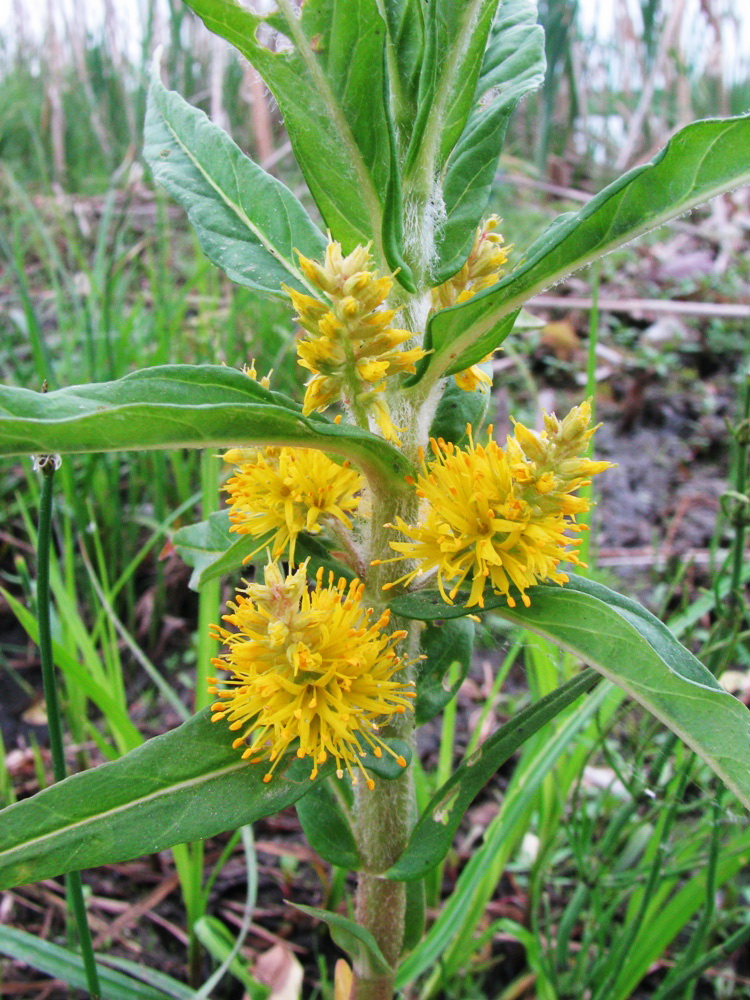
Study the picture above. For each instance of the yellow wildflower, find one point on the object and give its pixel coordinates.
(252, 373)
(283, 491)
(503, 516)
(350, 345)
(483, 268)
(310, 666)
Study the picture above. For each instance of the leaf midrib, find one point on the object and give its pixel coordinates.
(320, 80)
(274, 251)
(449, 355)
(634, 692)
(8, 852)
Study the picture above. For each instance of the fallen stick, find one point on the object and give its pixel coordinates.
(721, 310)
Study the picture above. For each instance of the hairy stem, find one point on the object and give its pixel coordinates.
(385, 815)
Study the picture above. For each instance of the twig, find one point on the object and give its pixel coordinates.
(669, 307)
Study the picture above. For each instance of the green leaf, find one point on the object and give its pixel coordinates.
(329, 88)
(181, 406)
(212, 550)
(456, 37)
(478, 879)
(632, 648)
(433, 835)
(327, 827)
(513, 66)
(445, 644)
(67, 966)
(186, 785)
(393, 214)
(247, 223)
(699, 162)
(457, 408)
(404, 47)
(356, 941)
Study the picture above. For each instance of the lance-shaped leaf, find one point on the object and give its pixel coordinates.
(181, 406)
(356, 941)
(699, 162)
(329, 87)
(247, 223)
(632, 648)
(185, 785)
(404, 47)
(456, 33)
(327, 827)
(433, 835)
(513, 65)
(188, 784)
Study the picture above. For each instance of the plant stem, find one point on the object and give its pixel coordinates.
(385, 815)
(54, 718)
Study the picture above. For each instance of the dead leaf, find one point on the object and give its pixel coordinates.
(36, 714)
(279, 969)
(342, 981)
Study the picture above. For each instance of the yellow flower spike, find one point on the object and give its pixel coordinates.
(349, 340)
(321, 391)
(283, 491)
(503, 518)
(484, 267)
(551, 460)
(328, 686)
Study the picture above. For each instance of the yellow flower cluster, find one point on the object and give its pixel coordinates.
(283, 491)
(310, 666)
(350, 345)
(502, 516)
(483, 268)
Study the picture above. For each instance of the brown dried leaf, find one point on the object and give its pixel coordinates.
(279, 969)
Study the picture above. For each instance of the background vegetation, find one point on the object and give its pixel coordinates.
(605, 862)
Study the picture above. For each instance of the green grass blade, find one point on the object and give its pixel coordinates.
(67, 966)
